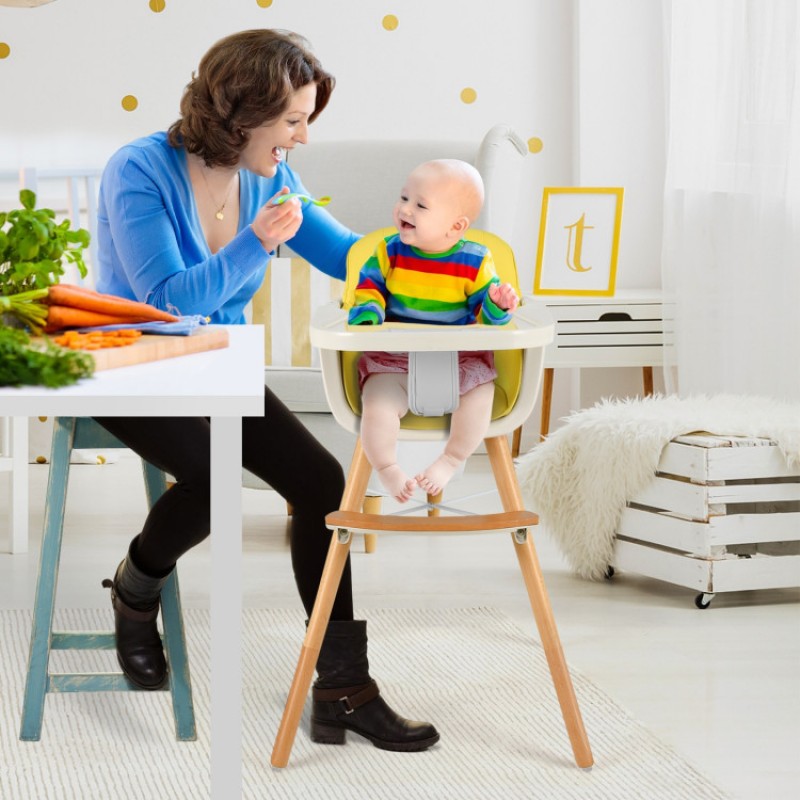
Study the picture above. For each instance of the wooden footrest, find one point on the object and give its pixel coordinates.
(357, 522)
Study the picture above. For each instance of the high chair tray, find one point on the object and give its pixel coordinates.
(531, 326)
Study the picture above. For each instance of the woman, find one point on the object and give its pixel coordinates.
(187, 222)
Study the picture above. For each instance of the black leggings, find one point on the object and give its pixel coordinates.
(277, 448)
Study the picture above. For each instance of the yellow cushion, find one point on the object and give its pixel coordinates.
(508, 362)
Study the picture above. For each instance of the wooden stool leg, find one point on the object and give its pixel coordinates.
(503, 468)
(352, 500)
(39, 657)
(372, 505)
(180, 684)
(547, 398)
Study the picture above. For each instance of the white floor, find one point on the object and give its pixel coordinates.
(721, 686)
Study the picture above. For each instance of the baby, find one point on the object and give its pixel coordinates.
(429, 273)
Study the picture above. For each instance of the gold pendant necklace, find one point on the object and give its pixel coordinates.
(219, 213)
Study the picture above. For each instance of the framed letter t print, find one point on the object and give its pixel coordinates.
(578, 241)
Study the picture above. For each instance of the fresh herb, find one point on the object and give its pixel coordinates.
(30, 308)
(34, 248)
(25, 364)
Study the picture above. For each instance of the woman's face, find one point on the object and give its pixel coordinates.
(268, 143)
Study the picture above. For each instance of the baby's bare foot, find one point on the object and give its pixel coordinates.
(437, 475)
(396, 482)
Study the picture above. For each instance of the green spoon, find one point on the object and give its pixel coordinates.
(322, 201)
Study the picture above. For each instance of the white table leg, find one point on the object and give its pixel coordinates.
(19, 485)
(226, 608)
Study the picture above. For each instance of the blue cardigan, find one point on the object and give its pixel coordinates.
(151, 246)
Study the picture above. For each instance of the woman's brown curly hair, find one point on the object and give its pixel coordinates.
(245, 80)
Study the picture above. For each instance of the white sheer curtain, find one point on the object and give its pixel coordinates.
(731, 256)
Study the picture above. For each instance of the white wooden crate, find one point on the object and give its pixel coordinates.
(722, 514)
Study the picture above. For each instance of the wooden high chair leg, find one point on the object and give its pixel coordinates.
(434, 498)
(372, 505)
(508, 487)
(352, 499)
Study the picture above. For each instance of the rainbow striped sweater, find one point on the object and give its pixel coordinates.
(402, 284)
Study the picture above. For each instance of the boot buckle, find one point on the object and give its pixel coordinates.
(348, 707)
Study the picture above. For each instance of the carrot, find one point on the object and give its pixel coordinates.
(79, 297)
(59, 317)
(97, 340)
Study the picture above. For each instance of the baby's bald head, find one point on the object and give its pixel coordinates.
(438, 203)
(460, 179)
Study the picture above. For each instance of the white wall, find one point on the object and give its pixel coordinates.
(71, 63)
(584, 76)
(621, 123)
(621, 141)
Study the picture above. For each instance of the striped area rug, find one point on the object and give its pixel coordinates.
(485, 684)
(473, 672)
(98, 746)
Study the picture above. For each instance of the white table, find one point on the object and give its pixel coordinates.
(14, 461)
(226, 385)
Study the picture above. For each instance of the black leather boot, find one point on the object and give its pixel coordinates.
(346, 698)
(135, 597)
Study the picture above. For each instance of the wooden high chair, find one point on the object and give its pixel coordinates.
(519, 357)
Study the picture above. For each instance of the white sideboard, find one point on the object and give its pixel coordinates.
(625, 330)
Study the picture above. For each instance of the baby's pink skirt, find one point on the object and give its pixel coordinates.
(475, 367)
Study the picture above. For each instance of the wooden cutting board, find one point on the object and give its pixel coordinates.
(153, 347)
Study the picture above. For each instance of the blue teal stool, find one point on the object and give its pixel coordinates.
(84, 432)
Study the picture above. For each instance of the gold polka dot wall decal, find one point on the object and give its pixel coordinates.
(5, 50)
(535, 145)
(157, 6)
(468, 95)
(264, 3)
(390, 22)
(130, 103)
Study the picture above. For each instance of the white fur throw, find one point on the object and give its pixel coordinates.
(579, 478)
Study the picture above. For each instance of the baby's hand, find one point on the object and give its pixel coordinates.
(504, 296)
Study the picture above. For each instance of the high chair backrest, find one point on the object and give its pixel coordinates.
(507, 362)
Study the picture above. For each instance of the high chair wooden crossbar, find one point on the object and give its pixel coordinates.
(83, 432)
(519, 357)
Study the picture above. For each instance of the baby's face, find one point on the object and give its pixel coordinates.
(427, 210)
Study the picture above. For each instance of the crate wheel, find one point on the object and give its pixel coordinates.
(609, 573)
(703, 600)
